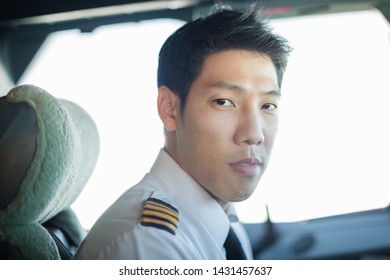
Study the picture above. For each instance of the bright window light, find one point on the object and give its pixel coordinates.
(332, 151)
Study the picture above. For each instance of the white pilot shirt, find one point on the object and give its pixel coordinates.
(167, 215)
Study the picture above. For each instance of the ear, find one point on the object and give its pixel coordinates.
(167, 105)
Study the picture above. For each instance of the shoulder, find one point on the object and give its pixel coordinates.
(145, 207)
(160, 214)
(139, 225)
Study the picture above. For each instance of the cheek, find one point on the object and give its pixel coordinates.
(209, 140)
(208, 144)
(211, 129)
(270, 130)
(271, 134)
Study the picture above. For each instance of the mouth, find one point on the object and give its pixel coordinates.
(247, 166)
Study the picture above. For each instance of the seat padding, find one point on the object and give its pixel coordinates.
(48, 150)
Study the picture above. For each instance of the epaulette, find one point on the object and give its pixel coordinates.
(159, 214)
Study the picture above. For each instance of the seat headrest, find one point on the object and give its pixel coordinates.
(48, 150)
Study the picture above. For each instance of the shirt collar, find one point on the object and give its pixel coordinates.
(194, 196)
(231, 213)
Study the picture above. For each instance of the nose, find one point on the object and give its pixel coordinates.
(250, 130)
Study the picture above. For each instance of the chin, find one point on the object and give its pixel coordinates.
(241, 197)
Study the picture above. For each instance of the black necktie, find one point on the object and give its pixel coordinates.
(233, 247)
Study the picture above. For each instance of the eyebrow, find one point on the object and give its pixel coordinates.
(240, 89)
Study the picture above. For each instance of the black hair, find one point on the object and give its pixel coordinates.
(182, 55)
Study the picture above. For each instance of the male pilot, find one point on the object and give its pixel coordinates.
(219, 87)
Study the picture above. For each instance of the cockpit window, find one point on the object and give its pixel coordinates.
(331, 154)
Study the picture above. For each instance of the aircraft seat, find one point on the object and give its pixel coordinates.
(48, 151)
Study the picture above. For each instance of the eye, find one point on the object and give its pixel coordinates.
(223, 102)
(269, 106)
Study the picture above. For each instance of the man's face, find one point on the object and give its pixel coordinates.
(224, 136)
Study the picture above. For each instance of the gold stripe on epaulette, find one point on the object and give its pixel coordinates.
(145, 221)
(161, 215)
(153, 206)
(168, 217)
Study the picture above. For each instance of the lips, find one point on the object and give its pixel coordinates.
(247, 166)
